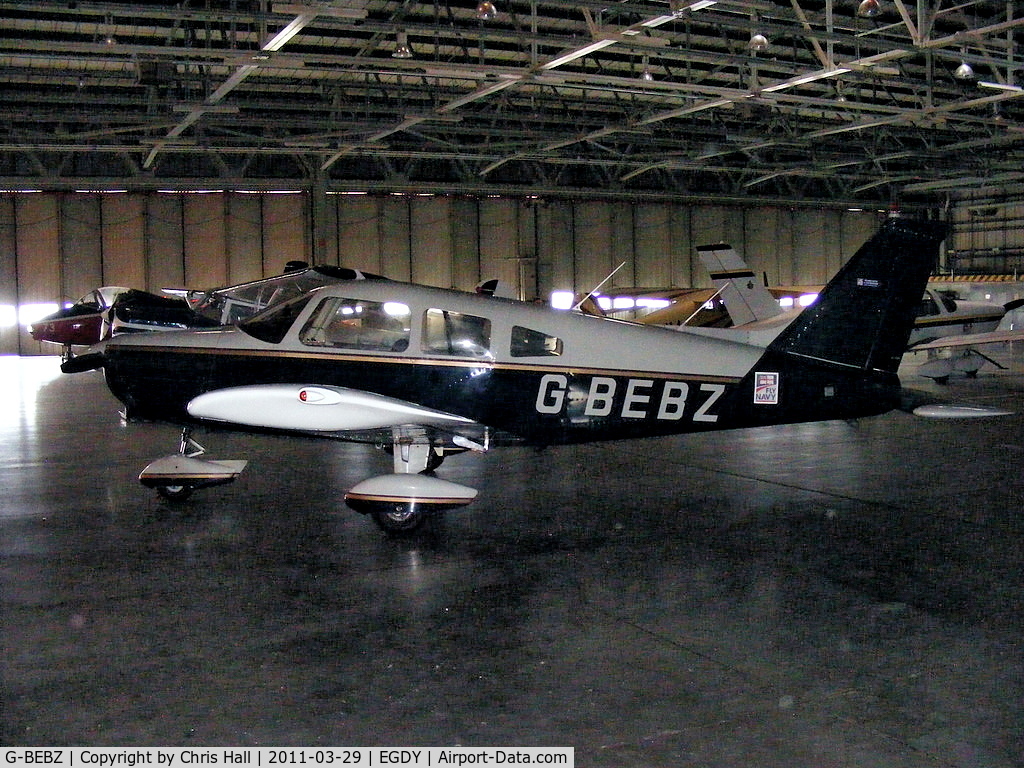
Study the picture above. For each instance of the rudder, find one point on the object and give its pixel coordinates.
(863, 317)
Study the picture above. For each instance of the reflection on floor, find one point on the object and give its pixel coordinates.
(817, 595)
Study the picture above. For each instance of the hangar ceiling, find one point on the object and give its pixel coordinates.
(842, 100)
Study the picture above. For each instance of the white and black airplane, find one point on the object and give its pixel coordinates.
(426, 372)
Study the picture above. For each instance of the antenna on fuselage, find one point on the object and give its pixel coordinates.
(597, 287)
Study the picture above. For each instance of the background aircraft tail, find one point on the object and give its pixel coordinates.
(863, 317)
(746, 299)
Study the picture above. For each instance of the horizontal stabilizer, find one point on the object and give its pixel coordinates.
(958, 411)
(924, 404)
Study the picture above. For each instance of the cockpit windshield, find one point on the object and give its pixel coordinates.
(273, 323)
(230, 305)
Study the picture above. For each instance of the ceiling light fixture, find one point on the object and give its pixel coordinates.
(869, 8)
(758, 42)
(645, 74)
(402, 49)
(485, 10)
(964, 71)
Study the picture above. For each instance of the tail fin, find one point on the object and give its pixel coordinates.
(745, 298)
(863, 317)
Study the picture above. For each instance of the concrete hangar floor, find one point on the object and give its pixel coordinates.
(819, 595)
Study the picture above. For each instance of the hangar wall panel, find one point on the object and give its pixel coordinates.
(9, 299)
(81, 245)
(465, 244)
(37, 247)
(556, 267)
(244, 239)
(622, 236)
(810, 263)
(653, 245)
(359, 221)
(285, 231)
(499, 240)
(57, 247)
(592, 222)
(165, 266)
(395, 246)
(204, 240)
(431, 234)
(123, 239)
(761, 234)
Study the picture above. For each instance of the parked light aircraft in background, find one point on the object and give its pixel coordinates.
(426, 372)
(80, 323)
(109, 311)
(943, 322)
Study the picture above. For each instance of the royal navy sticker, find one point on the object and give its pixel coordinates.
(766, 389)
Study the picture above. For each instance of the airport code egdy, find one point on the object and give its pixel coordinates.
(361, 757)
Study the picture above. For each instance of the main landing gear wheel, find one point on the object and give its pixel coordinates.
(175, 492)
(399, 517)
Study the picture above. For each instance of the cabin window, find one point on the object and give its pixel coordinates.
(527, 342)
(356, 324)
(455, 333)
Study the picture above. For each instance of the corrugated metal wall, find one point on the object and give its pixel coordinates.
(57, 247)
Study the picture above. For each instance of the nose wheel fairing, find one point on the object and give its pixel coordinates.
(176, 476)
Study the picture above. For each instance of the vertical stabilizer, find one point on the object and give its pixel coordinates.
(744, 297)
(864, 316)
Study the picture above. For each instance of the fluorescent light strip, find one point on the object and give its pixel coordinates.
(1001, 86)
(804, 79)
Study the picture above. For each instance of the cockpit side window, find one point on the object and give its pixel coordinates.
(928, 307)
(371, 326)
(456, 334)
(273, 323)
(527, 342)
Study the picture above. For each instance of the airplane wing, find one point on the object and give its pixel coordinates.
(971, 340)
(311, 408)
